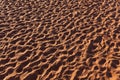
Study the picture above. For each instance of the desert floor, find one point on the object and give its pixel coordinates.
(59, 40)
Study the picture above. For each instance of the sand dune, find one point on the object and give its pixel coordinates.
(59, 40)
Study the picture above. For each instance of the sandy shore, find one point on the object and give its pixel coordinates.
(59, 40)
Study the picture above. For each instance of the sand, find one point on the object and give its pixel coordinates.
(59, 40)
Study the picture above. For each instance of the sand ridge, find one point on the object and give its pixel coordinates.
(59, 40)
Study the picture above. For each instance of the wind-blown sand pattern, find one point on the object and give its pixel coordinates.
(59, 40)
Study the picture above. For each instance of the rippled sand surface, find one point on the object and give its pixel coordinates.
(59, 40)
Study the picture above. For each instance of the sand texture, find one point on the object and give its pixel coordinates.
(59, 39)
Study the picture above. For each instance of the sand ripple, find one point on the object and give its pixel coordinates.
(59, 40)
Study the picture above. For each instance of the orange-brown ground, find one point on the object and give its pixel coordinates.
(59, 40)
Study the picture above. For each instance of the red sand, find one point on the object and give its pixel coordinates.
(59, 40)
